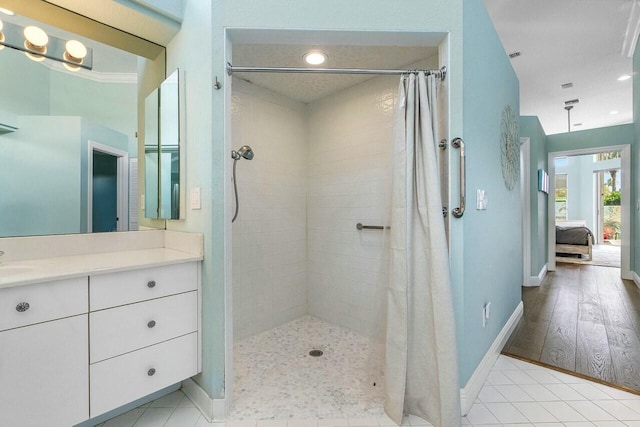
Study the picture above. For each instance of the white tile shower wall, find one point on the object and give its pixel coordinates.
(350, 149)
(269, 235)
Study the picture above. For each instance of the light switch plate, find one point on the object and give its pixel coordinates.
(195, 198)
(481, 200)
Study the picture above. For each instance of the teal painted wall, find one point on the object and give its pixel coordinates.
(492, 237)
(40, 172)
(592, 138)
(24, 84)
(44, 164)
(112, 105)
(635, 164)
(31, 88)
(530, 127)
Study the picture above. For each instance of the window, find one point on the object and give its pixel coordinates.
(561, 197)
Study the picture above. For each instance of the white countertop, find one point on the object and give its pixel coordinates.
(26, 272)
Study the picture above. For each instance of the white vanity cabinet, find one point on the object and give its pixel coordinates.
(143, 326)
(44, 364)
(73, 349)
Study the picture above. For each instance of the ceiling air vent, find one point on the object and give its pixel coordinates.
(515, 54)
(577, 124)
(571, 101)
(566, 85)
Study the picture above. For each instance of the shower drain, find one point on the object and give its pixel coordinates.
(315, 353)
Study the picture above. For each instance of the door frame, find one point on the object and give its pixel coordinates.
(122, 161)
(625, 170)
(525, 194)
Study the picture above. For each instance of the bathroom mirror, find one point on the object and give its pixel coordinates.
(68, 142)
(162, 150)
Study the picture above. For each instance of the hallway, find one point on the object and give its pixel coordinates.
(583, 319)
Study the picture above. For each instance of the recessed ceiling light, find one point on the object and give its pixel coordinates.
(6, 11)
(314, 57)
(613, 112)
(624, 77)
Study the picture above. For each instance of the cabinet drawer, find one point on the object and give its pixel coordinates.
(110, 290)
(130, 327)
(26, 305)
(125, 378)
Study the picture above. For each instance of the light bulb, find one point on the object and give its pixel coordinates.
(315, 57)
(6, 11)
(76, 49)
(624, 77)
(36, 36)
(1, 25)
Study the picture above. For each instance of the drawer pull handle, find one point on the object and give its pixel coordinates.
(151, 372)
(151, 284)
(151, 324)
(22, 307)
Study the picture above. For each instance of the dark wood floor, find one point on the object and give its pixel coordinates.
(584, 319)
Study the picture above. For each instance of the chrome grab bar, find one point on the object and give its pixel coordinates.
(359, 226)
(459, 211)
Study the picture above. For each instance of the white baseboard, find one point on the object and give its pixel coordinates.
(212, 409)
(470, 392)
(636, 279)
(536, 280)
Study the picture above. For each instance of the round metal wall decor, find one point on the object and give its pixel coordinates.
(510, 148)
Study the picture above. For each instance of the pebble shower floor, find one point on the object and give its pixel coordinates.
(276, 378)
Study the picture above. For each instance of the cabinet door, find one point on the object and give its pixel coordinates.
(44, 374)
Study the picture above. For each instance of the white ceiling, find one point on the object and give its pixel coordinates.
(309, 87)
(561, 41)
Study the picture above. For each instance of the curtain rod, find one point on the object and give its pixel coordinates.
(441, 73)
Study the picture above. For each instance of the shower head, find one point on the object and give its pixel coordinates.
(244, 151)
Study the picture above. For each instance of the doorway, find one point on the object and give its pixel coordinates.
(624, 234)
(107, 189)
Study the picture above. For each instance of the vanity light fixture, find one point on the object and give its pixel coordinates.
(315, 57)
(35, 42)
(38, 46)
(6, 11)
(624, 77)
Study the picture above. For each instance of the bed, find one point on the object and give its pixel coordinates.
(574, 238)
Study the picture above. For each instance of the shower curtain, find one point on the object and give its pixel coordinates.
(421, 370)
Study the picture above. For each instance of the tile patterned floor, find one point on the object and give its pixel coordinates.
(276, 378)
(516, 394)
